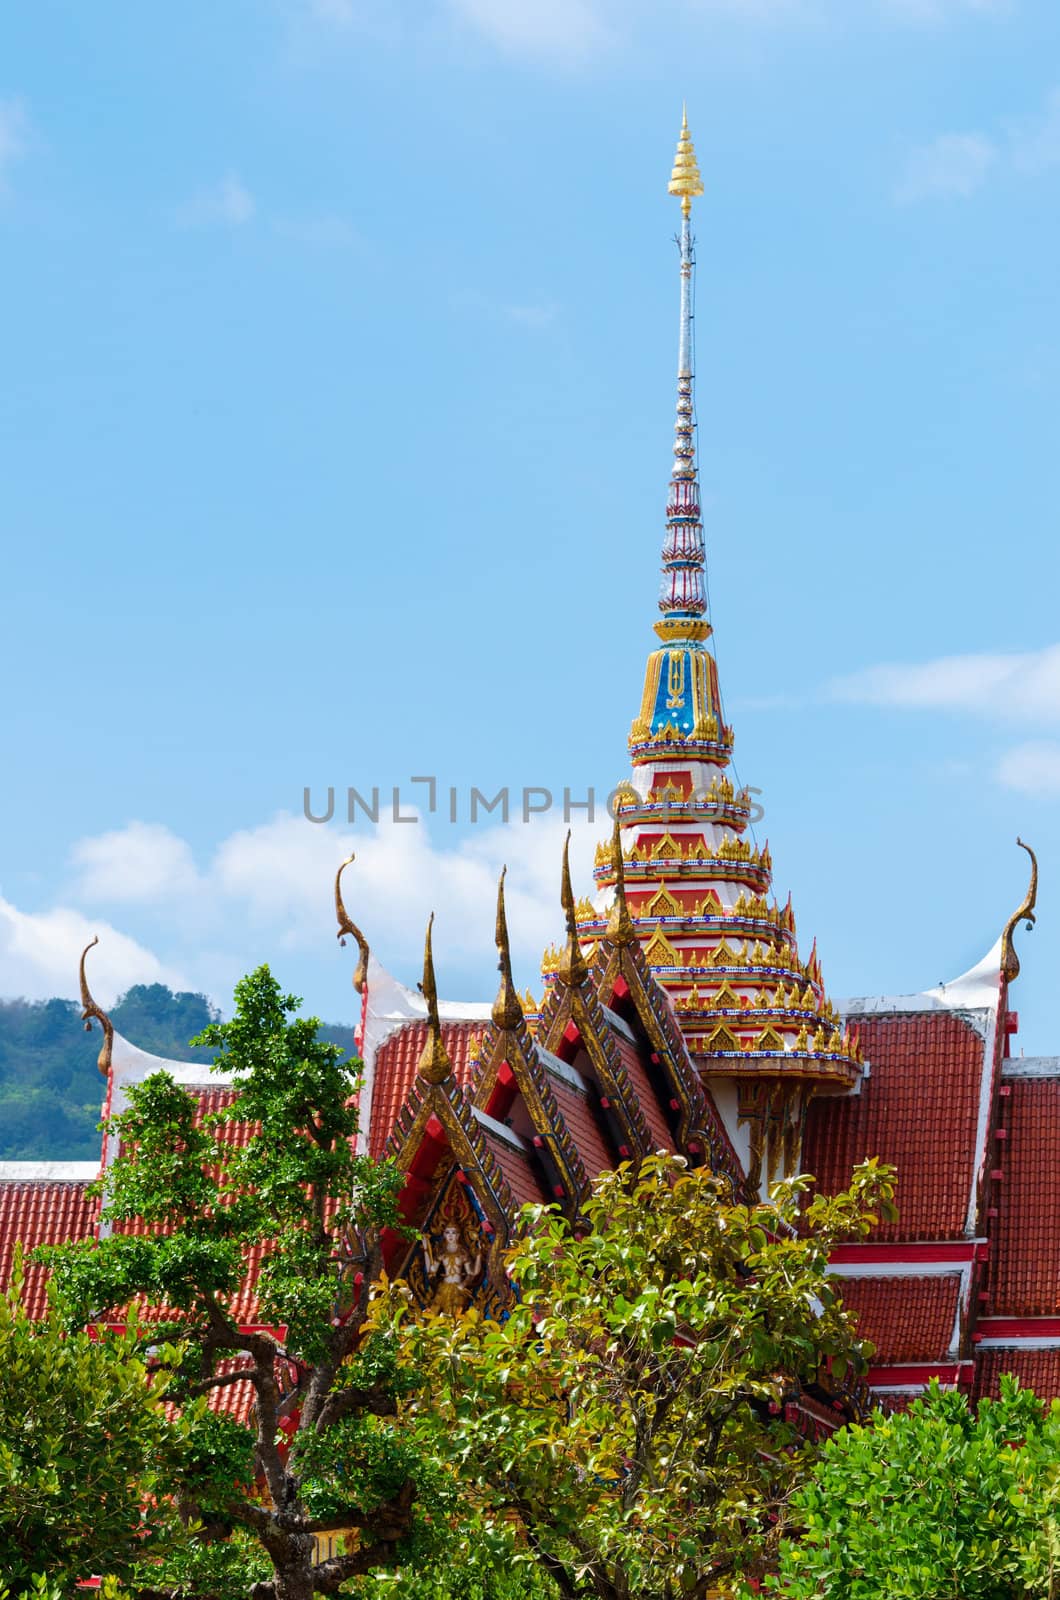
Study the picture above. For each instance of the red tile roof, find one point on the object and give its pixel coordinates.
(235, 1399)
(521, 1173)
(395, 1069)
(36, 1213)
(1036, 1369)
(907, 1319)
(1026, 1274)
(637, 1072)
(918, 1110)
(582, 1127)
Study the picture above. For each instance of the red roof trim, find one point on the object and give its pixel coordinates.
(1018, 1327)
(959, 1372)
(870, 1255)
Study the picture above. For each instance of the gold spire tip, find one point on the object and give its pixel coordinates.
(685, 179)
(507, 1011)
(434, 1064)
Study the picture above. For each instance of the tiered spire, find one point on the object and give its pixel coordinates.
(697, 890)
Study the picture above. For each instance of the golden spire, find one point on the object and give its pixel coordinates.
(434, 1063)
(573, 967)
(620, 929)
(507, 1011)
(1010, 961)
(360, 976)
(685, 179)
(90, 1010)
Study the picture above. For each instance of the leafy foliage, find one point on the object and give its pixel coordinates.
(630, 1413)
(85, 1450)
(486, 1565)
(287, 1187)
(933, 1503)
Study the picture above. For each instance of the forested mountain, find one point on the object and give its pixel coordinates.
(50, 1092)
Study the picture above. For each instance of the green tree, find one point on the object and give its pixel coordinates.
(629, 1415)
(86, 1449)
(318, 1456)
(50, 1091)
(939, 1502)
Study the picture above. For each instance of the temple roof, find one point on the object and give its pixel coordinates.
(908, 1319)
(920, 1109)
(37, 1210)
(1026, 1276)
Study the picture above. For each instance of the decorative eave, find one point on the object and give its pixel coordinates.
(699, 1125)
(514, 1049)
(808, 1065)
(436, 1109)
(574, 1011)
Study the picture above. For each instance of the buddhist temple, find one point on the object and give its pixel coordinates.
(681, 1012)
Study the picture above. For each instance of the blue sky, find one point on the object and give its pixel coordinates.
(339, 342)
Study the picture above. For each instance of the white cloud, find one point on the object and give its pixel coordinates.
(326, 231)
(40, 951)
(143, 861)
(342, 12)
(14, 130)
(532, 316)
(268, 889)
(1035, 143)
(574, 32)
(567, 29)
(283, 871)
(954, 164)
(1032, 768)
(1024, 685)
(960, 163)
(944, 10)
(228, 204)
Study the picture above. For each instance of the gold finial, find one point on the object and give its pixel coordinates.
(90, 1010)
(685, 180)
(507, 1012)
(620, 929)
(572, 967)
(360, 976)
(434, 1063)
(1010, 962)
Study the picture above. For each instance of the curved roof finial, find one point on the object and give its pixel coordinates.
(360, 976)
(90, 1010)
(573, 967)
(620, 929)
(434, 1063)
(507, 1011)
(1010, 961)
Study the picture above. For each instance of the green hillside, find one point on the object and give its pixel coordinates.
(50, 1091)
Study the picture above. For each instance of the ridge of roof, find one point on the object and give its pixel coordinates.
(975, 993)
(49, 1171)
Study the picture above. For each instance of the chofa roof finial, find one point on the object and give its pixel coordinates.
(90, 1010)
(507, 1011)
(573, 967)
(620, 929)
(434, 1063)
(1010, 962)
(360, 976)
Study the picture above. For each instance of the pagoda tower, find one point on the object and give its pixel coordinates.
(754, 1013)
